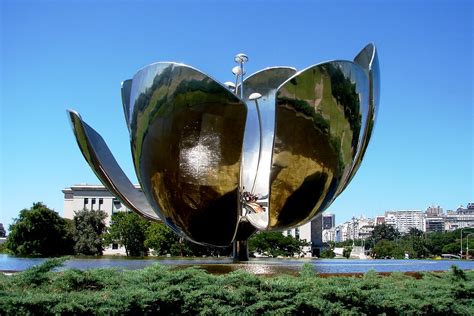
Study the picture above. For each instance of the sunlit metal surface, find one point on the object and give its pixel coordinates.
(367, 59)
(319, 115)
(126, 87)
(217, 162)
(187, 135)
(100, 159)
(265, 83)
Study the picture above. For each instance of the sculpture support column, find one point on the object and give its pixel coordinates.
(240, 250)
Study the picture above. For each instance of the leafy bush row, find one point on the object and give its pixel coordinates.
(160, 290)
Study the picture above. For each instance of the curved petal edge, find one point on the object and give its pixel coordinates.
(106, 168)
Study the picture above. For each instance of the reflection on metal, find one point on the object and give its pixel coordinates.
(126, 89)
(257, 154)
(368, 60)
(254, 97)
(104, 165)
(216, 162)
(322, 107)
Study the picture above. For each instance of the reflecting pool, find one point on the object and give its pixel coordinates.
(255, 265)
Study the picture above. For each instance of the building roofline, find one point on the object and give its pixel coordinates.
(89, 187)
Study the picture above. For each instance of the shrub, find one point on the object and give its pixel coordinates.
(161, 290)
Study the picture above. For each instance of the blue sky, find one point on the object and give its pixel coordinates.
(74, 54)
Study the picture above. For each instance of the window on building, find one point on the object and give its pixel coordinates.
(117, 203)
(297, 233)
(93, 201)
(115, 246)
(86, 201)
(101, 201)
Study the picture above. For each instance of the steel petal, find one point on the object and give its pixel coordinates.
(104, 165)
(126, 89)
(187, 134)
(318, 120)
(257, 149)
(367, 59)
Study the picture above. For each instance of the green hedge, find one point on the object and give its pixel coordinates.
(159, 290)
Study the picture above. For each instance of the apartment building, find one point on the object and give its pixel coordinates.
(404, 220)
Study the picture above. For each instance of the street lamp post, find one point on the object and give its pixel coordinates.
(240, 59)
(461, 242)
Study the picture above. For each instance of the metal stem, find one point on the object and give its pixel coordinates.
(259, 147)
(236, 83)
(241, 80)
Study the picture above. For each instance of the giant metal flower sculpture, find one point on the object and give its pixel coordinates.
(217, 162)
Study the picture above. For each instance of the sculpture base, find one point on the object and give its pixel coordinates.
(240, 246)
(240, 250)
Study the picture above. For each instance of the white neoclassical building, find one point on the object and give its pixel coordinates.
(97, 197)
(93, 197)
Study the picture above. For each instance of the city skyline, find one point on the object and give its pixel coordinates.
(75, 56)
(382, 213)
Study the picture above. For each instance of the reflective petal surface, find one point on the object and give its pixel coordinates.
(265, 83)
(318, 120)
(187, 134)
(126, 87)
(367, 59)
(216, 168)
(100, 159)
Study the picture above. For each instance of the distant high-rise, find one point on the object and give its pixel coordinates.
(435, 224)
(379, 220)
(462, 217)
(404, 220)
(434, 211)
(311, 232)
(328, 227)
(469, 210)
(329, 221)
(357, 228)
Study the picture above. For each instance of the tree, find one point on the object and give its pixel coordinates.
(415, 232)
(385, 249)
(438, 243)
(384, 231)
(346, 252)
(328, 253)
(2, 231)
(87, 232)
(437, 240)
(398, 249)
(129, 229)
(418, 247)
(452, 248)
(275, 244)
(39, 231)
(164, 241)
